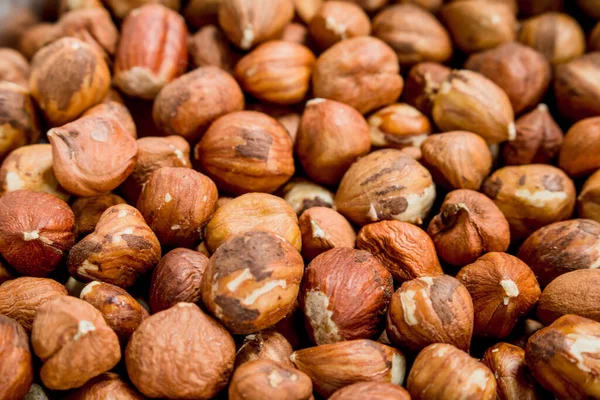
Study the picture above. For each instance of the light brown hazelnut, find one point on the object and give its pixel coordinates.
(287, 116)
(121, 248)
(251, 281)
(370, 6)
(102, 387)
(200, 13)
(329, 368)
(576, 97)
(362, 72)
(250, 22)
(323, 229)
(180, 353)
(562, 247)
(589, 198)
(36, 37)
(371, 390)
(423, 81)
(429, 5)
(402, 248)
(564, 357)
(580, 153)
(335, 21)
(442, 371)
(531, 196)
(398, 126)
(331, 136)
(116, 109)
(88, 210)
(303, 194)
(468, 226)
(14, 67)
(209, 47)
(253, 211)
(121, 8)
(296, 33)
(16, 370)
(66, 6)
(19, 124)
(557, 36)
(457, 160)
(538, 139)
(265, 345)
(535, 7)
(385, 185)
(306, 9)
(503, 289)
(74, 343)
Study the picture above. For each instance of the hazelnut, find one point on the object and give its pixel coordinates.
(66, 6)
(5, 274)
(121, 8)
(103, 386)
(296, 33)
(176, 203)
(385, 185)
(331, 136)
(370, 6)
(562, 247)
(531, 196)
(246, 151)
(36, 229)
(73, 341)
(398, 126)
(323, 229)
(30, 168)
(457, 160)
(303, 194)
(563, 357)
(503, 289)
(199, 13)
(121, 248)
(21, 297)
(251, 281)
(371, 390)
(180, 353)
(511, 4)
(14, 67)
(19, 124)
(335, 21)
(68, 77)
(260, 379)
(423, 81)
(362, 72)
(306, 9)
(535, 7)
(469, 101)
(589, 198)
(117, 110)
(88, 211)
(576, 97)
(265, 345)
(429, 5)
(141, 71)
(414, 34)
(402, 248)
(329, 368)
(16, 370)
(285, 115)
(524, 330)
(538, 139)
(557, 36)
(36, 37)
(580, 152)
(250, 22)
(441, 371)
(209, 47)
(589, 7)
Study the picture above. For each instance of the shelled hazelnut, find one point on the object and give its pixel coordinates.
(19, 123)
(103, 386)
(88, 210)
(199, 13)
(589, 198)
(323, 229)
(422, 82)
(36, 37)
(576, 98)
(14, 67)
(580, 153)
(303, 194)
(16, 370)
(209, 47)
(286, 115)
(306, 9)
(371, 390)
(398, 126)
(265, 345)
(116, 109)
(370, 6)
(121, 8)
(335, 21)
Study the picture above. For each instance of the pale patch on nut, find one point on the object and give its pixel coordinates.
(316, 309)
(478, 378)
(83, 328)
(266, 288)
(175, 227)
(85, 267)
(238, 280)
(337, 28)
(372, 214)
(251, 71)
(317, 231)
(409, 306)
(274, 379)
(247, 38)
(417, 204)
(138, 80)
(540, 198)
(596, 264)
(583, 344)
(122, 214)
(510, 288)
(33, 235)
(168, 197)
(99, 136)
(398, 368)
(512, 131)
(314, 101)
(47, 241)
(87, 289)
(441, 352)
(128, 231)
(427, 279)
(13, 181)
(185, 305)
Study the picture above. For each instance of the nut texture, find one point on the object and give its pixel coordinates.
(323, 229)
(210, 47)
(302, 194)
(335, 21)
(589, 198)
(371, 390)
(88, 211)
(423, 81)
(580, 152)
(19, 124)
(103, 386)
(576, 97)
(265, 345)
(398, 126)
(16, 370)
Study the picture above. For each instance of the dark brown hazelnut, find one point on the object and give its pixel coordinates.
(88, 211)
(16, 370)
(265, 345)
(580, 152)
(589, 198)
(535, 7)
(199, 13)
(19, 124)
(324, 229)
(593, 41)
(398, 126)
(423, 81)
(209, 47)
(335, 21)
(14, 67)
(576, 97)
(302, 194)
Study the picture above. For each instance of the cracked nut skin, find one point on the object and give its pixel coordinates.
(362, 72)
(142, 71)
(328, 367)
(441, 371)
(265, 345)
(88, 211)
(266, 379)
(67, 77)
(576, 97)
(73, 342)
(21, 297)
(430, 310)
(422, 82)
(564, 357)
(580, 153)
(469, 225)
(251, 281)
(121, 248)
(371, 390)
(323, 229)
(385, 185)
(344, 296)
(19, 124)
(14, 67)
(36, 229)
(122, 313)
(335, 21)
(503, 289)
(531, 196)
(303, 194)
(180, 353)
(398, 126)
(104, 386)
(16, 369)
(177, 278)
(589, 198)
(209, 47)
(404, 249)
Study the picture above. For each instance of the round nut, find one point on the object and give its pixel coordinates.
(103, 386)
(306, 9)
(114, 106)
(324, 229)
(88, 210)
(335, 21)
(302, 194)
(398, 126)
(576, 97)
(296, 33)
(589, 198)
(265, 345)
(371, 390)
(209, 46)
(423, 81)
(16, 370)
(580, 152)
(14, 67)
(19, 124)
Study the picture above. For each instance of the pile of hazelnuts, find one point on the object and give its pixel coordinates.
(302, 199)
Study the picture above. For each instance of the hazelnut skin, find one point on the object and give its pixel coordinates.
(103, 386)
(580, 153)
(285, 115)
(16, 370)
(371, 390)
(422, 82)
(19, 124)
(398, 126)
(303, 194)
(121, 8)
(210, 47)
(429, 5)
(88, 210)
(589, 198)
(265, 345)
(36, 37)
(14, 67)
(576, 97)
(335, 21)
(323, 229)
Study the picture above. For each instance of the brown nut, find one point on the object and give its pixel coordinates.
(362, 72)
(16, 370)
(121, 248)
(200, 13)
(103, 386)
(385, 185)
(580, 152)
(5, 273)
(468, 226)
(36, 229)
(423, 81)
(14, 67)
(265, 345)
(457, 160)
(590, 7)
(285, 115)
(209, 47)
(562, 247)
(328, 367)
(589, 198)
(398, 126)
(180, 353)
(576, 96)
(302, 194)
(121, 8)
(306, 9)
(251, 281)
(66, 6)
(531, 196)
(557, 36)
(523, 332)
(402, 248)
(335, 21)
(535, 7)
(371, 390)
(503, 289)
(295, 32)
(74, 343)
(564, 357)
(323, 229)
(19, 124)
(142, 70)
(177, 203)
(36, 37)
(115, 107)
(253, 211)
(246, 151)
(331, 136)
(441, 371)
(88, 211)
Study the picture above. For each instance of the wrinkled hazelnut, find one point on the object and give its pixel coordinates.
(371, 390)
(19, 124)
(306, 9)
(580, 152)
(589, 198)
(102, 387)
(423, 81)
(14, 67)
(398, 126)
(265, 345)
(209, 47)
(323, 229)
(36, 37)
(335, 21)
(576, 96)
(88, 211)
(199, 13)
(302, 194)
(16, 369)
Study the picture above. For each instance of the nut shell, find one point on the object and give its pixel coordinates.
(324, 229)
(302, 194)
(16, 370)
(398, 126)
